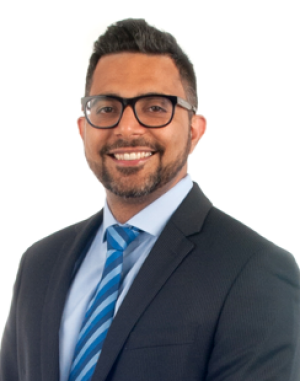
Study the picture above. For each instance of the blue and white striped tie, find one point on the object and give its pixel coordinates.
(101, 309)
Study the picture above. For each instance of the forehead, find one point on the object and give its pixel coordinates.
(133, 74)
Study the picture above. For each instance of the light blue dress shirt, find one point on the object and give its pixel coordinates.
(151, 220)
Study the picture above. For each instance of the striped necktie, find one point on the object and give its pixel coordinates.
(101, 309)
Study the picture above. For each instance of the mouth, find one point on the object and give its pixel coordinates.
(132, 156)
(135, 153)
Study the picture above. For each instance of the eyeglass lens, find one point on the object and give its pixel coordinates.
(105, 112)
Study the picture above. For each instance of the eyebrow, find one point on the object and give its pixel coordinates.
(138, 95)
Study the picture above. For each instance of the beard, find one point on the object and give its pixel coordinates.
(123, 185)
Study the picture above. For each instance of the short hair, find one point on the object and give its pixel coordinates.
(135, 35)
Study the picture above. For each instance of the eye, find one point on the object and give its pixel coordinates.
(104, 107)
(155, 105)
(105, 110)
(156, 109)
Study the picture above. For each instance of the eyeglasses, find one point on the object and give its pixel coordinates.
(151, 110)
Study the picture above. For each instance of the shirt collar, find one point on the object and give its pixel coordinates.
(154, 217)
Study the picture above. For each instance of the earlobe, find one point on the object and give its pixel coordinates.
(198, 127)
(81, 122)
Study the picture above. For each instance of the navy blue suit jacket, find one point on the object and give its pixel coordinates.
(214, 301)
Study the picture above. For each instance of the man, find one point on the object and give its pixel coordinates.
(160, 285)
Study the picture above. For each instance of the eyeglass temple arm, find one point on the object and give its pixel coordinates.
(186, 105)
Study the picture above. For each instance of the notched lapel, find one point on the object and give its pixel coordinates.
(71, 252)
(167, 254)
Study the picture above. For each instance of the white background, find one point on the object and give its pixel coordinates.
(247, 60)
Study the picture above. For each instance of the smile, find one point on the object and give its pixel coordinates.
(132, 155)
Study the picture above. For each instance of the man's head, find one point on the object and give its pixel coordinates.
(137, 36)
(134, 162)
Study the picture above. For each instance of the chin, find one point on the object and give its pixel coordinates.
(131, 191)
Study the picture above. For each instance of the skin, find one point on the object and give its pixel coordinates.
(129, 75)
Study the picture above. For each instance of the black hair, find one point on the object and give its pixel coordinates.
(135, 35)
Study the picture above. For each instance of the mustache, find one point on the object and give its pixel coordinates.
(140, 142)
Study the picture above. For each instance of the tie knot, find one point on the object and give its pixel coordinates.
(119, 237)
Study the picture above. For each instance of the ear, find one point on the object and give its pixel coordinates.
(197, 130)
(81, 122)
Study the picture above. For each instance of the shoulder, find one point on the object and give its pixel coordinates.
(222, 239)
(233, 234)
(49, 248)
(236, 246)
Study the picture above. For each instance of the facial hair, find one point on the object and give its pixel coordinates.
(152, 181)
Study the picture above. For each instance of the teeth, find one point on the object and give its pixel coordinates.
(132, 155)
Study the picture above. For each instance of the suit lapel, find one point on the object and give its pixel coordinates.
(71, 252)
(167, 254)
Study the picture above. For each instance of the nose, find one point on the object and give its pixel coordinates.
(128, 124)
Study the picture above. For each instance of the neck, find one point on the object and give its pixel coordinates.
(125, 208)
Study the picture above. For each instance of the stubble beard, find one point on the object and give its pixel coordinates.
(127, 189)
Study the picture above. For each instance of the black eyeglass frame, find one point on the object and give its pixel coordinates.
(132, 101)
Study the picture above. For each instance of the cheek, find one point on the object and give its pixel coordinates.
(94, 140)
(174, 144)
(176, 138)
(89, 145)
(175, 132)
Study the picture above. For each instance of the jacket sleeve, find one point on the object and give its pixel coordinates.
(258, 334)
(9, 352)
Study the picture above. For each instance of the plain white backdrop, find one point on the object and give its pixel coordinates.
(247, 60)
